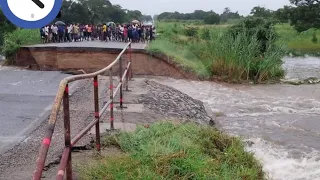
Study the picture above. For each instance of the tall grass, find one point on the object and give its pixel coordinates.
(298, 43)
(176, 151)
(214, 53)
(14, 40)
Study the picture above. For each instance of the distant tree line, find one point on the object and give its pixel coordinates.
(302, 14)
(98, 11)
(209, 17)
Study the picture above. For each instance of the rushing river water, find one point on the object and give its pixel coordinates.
(282, 120)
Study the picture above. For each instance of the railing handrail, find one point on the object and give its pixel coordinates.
(63, 87)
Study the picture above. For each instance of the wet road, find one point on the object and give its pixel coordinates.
(25, 99)
(92, 44)
(281, 120)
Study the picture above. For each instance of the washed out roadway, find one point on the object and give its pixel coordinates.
(25, 102)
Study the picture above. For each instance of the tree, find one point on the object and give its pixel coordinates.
(305, 15)
(146, 18)
(227, 14)
(283, 14)
(208, 16)
(96, 12)
(213, 18)
(134, 15)
(5, 27)
(261, 12)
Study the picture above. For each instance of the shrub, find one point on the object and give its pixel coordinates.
(14, 40)
(190, 31)
(314, 38)
(240, 58)
(258, 28)
(205, 33)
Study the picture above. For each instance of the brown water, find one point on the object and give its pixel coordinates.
(282, 120)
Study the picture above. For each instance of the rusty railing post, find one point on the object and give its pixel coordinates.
(96, 111)
(127, 76)
(121, 83)
(111, 99)
(130, 60)
(67, 132)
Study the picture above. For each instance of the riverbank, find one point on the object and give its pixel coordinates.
(210, 53)
(174, 150)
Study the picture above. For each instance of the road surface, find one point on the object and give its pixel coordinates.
(91, 44)
(25, 99)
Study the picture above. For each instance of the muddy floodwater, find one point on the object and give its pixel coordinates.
(281, 121)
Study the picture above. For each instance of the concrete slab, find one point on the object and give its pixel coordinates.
(91, 44)
(138, 108)
(26, 99)
(105, 127)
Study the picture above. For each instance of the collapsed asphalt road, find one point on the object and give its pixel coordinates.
(25, 102)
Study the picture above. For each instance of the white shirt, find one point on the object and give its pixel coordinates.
(46, 30)
(55, 29)
(69, 28)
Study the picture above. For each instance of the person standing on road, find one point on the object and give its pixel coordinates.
(55, 33)
(46, 33)
(130, 33)
(76, 32)
(69, 32)
(89, 30)
(144, 34)
(151, 34)
(61, 33)
(125, 34)
(104, 31)
(42, 35)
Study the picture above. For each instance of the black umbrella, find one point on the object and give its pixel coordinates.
(60, 23)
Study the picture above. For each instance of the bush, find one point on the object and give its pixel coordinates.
(190, 31)
(314, 38)
(14, 40)
(258, 28)
(239, 58)
(205, 34)
(5, 27)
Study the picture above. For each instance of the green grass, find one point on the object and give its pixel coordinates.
(210, 53)
(298, 44)
(176, 151)
(14, 40)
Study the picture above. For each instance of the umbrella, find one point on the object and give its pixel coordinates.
(59, 23)
(135, 22)
(110, 23)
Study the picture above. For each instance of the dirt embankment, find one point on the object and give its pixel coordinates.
(93, 59)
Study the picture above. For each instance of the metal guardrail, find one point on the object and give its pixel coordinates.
(63, 95)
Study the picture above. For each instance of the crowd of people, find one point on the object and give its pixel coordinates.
(58, 33)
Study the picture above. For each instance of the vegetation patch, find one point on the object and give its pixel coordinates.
(14, 40)
(169, 150)
(306, 42)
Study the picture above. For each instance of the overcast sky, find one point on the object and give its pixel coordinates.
(152, 7)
